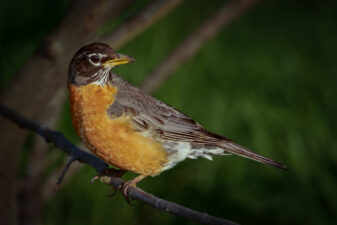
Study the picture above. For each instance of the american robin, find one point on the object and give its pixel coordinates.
(130, 129)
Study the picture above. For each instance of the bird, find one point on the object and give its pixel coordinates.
(131, 130)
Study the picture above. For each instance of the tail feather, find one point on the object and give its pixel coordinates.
(244, 152)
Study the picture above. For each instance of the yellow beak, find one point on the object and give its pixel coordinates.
(119, 60)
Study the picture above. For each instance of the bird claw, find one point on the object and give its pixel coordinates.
(92, 180)
(108, 172)
(113, 193)
(127, 184)
(123, 189)
(129, 200)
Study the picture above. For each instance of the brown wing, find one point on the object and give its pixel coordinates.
(169, 124)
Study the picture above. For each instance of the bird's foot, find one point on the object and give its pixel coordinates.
(127, 184)
(109, 172)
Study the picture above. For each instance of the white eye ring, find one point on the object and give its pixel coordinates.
(95, 59)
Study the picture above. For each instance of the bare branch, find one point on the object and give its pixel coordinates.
(47, 188)
(54, 137)
(113, 9)
(164, 205)
(66, 168)
(67, 147)
(139, 22)
(192, 44)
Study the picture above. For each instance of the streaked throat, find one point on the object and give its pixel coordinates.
(102, 76)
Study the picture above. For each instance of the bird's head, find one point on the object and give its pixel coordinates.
(92, 63)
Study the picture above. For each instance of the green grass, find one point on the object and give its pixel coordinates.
(268, 81)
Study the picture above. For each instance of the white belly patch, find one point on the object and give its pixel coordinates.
(178, 151)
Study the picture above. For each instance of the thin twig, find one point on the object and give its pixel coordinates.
(139, 22)
(55, 137)
(62, 143)
(66, 168)
(164, 205)
(193, 43)
(48, 186)
(114, 8)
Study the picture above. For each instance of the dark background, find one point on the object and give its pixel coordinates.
(267, 81)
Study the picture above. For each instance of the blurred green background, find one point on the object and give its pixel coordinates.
(268, 81)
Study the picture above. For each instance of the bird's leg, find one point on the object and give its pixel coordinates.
(131, 183)
(109, 172)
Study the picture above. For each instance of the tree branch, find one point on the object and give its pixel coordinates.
(65, 169)
(192, 44)
(75, 153)
(54, 137)
(139, 22)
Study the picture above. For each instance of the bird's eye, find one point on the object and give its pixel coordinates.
(94, 58)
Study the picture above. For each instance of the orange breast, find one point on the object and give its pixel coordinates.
(113, 140)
